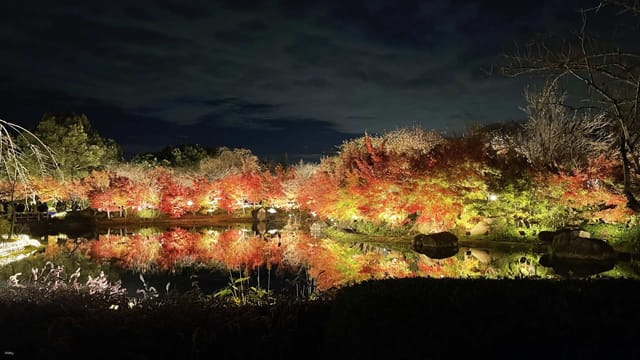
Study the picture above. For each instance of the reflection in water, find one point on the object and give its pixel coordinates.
(327, 262)
(440, 252)
(576, 268)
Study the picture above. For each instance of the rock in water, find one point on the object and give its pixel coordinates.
(569, 245)
(437, 245)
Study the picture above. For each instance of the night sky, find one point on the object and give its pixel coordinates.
(272, 76)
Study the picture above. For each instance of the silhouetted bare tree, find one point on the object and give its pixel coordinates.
(22, 155)
(608, 69)
(559, 138)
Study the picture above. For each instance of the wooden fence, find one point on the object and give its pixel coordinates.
(26, 217)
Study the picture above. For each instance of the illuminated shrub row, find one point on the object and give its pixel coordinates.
(166, 191)
(458, 184)
(409, 178)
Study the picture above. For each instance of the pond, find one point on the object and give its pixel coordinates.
(290, 262)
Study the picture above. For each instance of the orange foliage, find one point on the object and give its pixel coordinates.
(436, 268)
(584, 193)
(236, 188)
(319, 194)
(98, 180)
(50, 189)
(273, 190)
(321, 264)
(176, 199)
(178, 248)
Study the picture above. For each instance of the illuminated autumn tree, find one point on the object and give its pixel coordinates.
(274, 186)
(320, 192)
(301, 174)
(50, 189)
(144, 186)
(123, 194)
(237, 189)
(177, 195)
(103, 201)
(110, 192)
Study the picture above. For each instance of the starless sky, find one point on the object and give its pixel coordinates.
(276, 77)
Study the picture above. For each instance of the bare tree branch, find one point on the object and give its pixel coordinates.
(611, 77)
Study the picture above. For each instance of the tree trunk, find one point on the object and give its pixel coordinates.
(632, 202)
(12, 212)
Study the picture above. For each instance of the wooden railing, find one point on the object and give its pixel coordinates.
(31, 217)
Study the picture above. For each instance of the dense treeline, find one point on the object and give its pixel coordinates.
(554, 169)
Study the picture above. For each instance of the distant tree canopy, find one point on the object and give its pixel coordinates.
(229, 161)
(212, 163)
(177, 156)
(78, 148)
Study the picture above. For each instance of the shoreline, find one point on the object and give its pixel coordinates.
(185, 220)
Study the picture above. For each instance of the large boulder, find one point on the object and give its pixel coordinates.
(572, 244)
(436, 245)
(547, 236)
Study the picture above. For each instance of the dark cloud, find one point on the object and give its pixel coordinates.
(157, 72)
(233, 37)
(139, 133)
(189, 9)
(254, 25)
(407, 23)
(313, 82)
(82, 34)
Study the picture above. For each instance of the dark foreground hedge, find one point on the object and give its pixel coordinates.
(395, 319)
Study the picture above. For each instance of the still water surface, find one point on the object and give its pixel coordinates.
(285, 261)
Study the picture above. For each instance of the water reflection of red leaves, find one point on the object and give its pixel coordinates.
(378, 266)
(322, 263)
(273, 251)
(108, 247)
(137, 252)
(236, 250)
(142, 253)
(329, 263)
(179, 248)
(436, 268)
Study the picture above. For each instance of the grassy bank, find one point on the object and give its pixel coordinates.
(419, 318)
